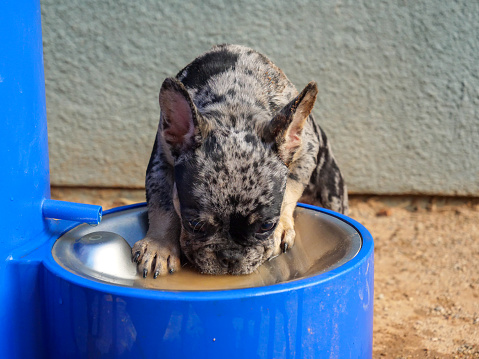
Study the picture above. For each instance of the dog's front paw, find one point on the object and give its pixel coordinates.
(156, 257)
(284, 236)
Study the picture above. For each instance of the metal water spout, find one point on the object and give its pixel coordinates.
(78, 212)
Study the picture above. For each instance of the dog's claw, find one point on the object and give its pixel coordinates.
(285, 247)
(272, 257)
(156, 274)
(145, 273)
(137, 255)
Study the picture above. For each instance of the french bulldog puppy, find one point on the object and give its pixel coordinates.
(236, 148)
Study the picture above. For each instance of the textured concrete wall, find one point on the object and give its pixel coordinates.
(399, 82)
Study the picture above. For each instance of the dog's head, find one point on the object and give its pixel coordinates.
(230, 182)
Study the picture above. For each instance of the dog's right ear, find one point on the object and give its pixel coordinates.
(286, 128)
(181, 125)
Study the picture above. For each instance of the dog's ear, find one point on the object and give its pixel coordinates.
(286, 127)
(181, 125)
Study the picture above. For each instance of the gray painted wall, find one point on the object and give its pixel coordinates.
(399, 82)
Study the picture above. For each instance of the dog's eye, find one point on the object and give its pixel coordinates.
(266, 227)
(196, 227)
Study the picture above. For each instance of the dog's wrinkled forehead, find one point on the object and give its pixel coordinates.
(235, 172)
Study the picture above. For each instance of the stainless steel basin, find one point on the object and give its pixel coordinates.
(102, 253)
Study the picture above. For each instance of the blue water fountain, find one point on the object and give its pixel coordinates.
(60, 300)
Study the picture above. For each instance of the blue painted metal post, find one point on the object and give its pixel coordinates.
(24, 171)
(25, 181)
(23, 146)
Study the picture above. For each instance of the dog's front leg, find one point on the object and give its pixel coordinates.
(284, 233)
(159, 252)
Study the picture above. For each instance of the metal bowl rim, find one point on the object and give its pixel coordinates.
(364, 253)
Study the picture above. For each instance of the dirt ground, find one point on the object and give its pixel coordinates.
(426, 270)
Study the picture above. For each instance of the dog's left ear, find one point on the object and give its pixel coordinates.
(286, 127)
(181, 125)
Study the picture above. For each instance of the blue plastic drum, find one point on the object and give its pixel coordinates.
(315, 301)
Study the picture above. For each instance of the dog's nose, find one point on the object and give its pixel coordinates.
(227, 259)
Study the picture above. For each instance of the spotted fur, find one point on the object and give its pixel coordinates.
(236, 148)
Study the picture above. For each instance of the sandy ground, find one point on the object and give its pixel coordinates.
(426, 270)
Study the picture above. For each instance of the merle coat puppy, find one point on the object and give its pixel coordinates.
(236, 148)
